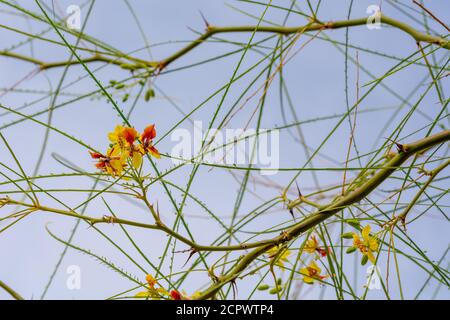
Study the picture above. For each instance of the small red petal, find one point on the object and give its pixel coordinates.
(149, 133)
(129, 134)
(175, 295)
(322, 252)
(95, 155)
(100, 165)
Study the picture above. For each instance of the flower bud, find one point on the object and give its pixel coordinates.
(353, 222)
(364, 260)
(347, 235)
(263, 287)
(350, 250)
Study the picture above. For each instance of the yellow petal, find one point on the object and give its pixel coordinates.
(114, 136)
(304, 271)
(373, 244)
(117, 166)
(142, 294)
(371, 256)
(356, 239)
(365, 232)
(314, 265)
(308, 280)
(284, 256)
(113, 152)
(163, 291)
(137, 160)
(311, 245)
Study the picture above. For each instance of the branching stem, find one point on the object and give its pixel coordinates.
(132, 63)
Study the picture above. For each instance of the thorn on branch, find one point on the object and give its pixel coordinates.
(191, 251)
(393, 222)
(328, 25)
(401, 148)
(205, 21)
(298, 190)
(157, 211)
(403, 222)
(291, 211)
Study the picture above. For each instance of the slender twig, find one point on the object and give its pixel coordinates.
(432, 15)
(432, 174)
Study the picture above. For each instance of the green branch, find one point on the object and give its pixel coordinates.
(8, 289)
(132, 63)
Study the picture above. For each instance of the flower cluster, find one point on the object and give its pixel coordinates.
(313, 272)
(155, 293)
(127, 146)
(366, 244)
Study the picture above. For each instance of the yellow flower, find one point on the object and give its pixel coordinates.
(124, 138)
(312, 246)
(150, 280)
(282, 258)
(153, 292)
(311, 273)
(112, 163)
(123, 148)
(367, 245)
